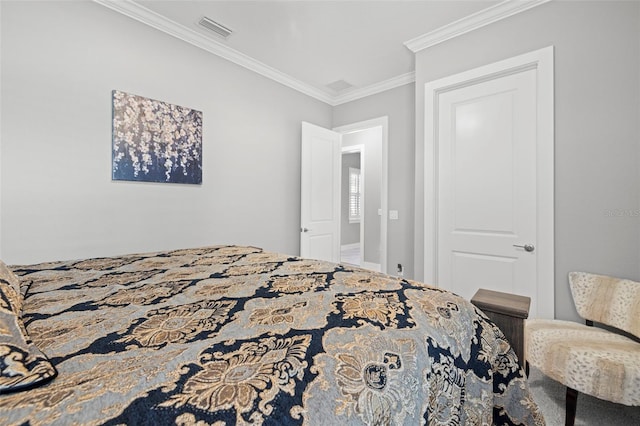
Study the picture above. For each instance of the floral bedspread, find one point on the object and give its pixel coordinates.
(235, 335)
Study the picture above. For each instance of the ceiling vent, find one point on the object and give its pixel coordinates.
(217, 28)
(339, 86)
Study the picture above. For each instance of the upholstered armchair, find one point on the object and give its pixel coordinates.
(598, 362)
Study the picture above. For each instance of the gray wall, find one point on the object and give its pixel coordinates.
(597, 101)
(60, 62)
(349, 232)
(372, 141)
(398, 105)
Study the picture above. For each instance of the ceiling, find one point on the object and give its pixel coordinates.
(328, 49)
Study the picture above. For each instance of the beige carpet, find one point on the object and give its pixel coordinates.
(591, 411)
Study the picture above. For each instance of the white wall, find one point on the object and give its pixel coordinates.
(60, 62)
(597, 102)
(398, 105)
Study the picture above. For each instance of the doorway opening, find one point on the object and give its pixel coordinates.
(363, 224)
(352, 202)
(320, 178)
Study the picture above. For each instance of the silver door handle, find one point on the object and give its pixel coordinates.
(304, 230)
(526, 247)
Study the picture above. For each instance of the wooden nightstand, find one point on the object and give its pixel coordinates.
(508, 311)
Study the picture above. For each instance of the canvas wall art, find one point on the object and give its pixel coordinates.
(154, 141)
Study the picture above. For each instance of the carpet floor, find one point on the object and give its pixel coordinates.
(550, 397)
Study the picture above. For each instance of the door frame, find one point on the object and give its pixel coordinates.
(542, 61)
(360, 149)
(382, 122)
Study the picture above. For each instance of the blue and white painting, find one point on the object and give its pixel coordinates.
(154, 141)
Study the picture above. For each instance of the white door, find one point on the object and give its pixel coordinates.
(487, 142)
(320, 192)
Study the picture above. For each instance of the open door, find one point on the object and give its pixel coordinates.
(320, 193)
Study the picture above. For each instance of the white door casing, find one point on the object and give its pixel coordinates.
(489, 140)
(320, 183)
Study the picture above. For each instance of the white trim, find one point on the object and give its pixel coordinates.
(542, 60)
(349, 246)
(477, 20)
(384, 183)
(146, 16)
(371, 266)
(159, 22)
(373, 89)
(472, 22)
(351, 148)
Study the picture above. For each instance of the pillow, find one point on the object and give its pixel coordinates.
(22, 365)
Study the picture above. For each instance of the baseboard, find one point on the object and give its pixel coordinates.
(349, 246)
(371, 266)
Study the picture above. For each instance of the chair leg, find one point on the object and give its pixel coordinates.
(526, 368)
(572, 400)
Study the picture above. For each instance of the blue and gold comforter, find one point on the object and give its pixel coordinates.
(235, 335)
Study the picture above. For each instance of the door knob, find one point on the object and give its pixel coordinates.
(526, 247)
(304, 230)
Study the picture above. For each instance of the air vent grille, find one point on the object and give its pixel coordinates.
(339, 86)
(217, 28)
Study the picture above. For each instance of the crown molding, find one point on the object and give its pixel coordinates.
(146, 16)
(480, 19)
(472, 22)
(373, 89)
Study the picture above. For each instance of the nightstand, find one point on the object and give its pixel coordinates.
(508, 311)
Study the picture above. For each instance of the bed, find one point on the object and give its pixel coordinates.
(236, 335)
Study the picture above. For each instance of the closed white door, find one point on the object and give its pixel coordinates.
(492, 151)
(487, 191)
(320, 191)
